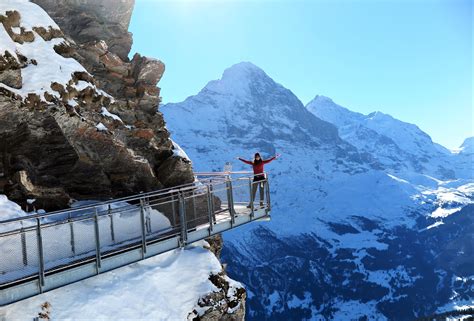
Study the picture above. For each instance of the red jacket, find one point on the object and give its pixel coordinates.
(258, 168)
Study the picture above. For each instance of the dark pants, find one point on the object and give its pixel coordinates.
(258, 183)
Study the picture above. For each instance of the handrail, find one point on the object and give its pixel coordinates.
(161, 221)
(168, 190)
(221, 173)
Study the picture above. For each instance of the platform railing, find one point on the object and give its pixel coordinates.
(36, 246)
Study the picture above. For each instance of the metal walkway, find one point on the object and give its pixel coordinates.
(42, 252)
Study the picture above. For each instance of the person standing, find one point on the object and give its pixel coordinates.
(258, 175)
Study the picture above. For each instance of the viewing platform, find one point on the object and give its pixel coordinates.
(42, 252)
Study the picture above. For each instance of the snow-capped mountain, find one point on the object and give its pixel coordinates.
(465, 157)
(399, 146)
(349, 237)
(244, 109)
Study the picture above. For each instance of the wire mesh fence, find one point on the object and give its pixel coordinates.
(40, 244)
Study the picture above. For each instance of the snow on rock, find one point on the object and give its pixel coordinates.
(32, 14)
(178, 151)
(6, 43)
(457, 305)
(101, 127)
(49, 68)
(164, 287)
(9, 209)
(436, 224)
(104, 112)
(44, 66)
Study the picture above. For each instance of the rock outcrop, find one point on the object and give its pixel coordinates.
(79, 119)
(86, 21)
(225, 304)
(89, 127)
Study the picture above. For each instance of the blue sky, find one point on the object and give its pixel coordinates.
(410, 59)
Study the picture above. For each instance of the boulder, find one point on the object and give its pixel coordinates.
(11, 77)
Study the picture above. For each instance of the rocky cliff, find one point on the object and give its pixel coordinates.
(78, 118)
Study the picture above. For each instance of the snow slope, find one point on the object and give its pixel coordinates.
(44, 65)
(9, 209)
(465, 157)
(165, 287)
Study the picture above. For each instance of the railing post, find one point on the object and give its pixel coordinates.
(71, 230)
(211, 190)
(98, 258)
(252, 213)
(148, 223)
(230, 200)
(146, 203)
(40, 254)
(182, 218)
(24, 252)
(142, 220)
(194, 209)
(173, 209)
(210, 210)
(111, 216)
(269, 204)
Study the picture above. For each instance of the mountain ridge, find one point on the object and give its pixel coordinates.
(349, 236)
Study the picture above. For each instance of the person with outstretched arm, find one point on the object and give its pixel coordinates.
(258, 175)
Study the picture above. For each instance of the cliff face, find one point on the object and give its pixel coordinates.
(227, 301)
(88, 21)
(78, 119)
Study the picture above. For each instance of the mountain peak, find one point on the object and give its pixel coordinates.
(237, 79)
(242, 67)
(326, 109)
(321, 98)
(468, 145)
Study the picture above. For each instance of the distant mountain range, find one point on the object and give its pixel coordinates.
(399, 146)
(371, 218)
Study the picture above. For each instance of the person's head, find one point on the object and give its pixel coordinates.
(257, 158)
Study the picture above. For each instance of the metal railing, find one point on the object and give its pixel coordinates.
(35, 247)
